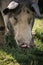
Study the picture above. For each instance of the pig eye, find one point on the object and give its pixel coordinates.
(32, 9)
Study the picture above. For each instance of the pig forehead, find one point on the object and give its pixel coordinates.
(23, 12)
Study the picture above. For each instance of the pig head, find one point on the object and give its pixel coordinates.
(20, 18)
(21, 22)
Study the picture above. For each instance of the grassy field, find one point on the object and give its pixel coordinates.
(17, 56)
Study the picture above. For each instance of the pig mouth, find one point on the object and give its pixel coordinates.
(24, 45)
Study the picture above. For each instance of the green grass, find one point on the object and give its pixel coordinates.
(11, 55)
(38, 33)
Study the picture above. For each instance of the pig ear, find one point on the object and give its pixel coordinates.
(36, 9)
(13, 5)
